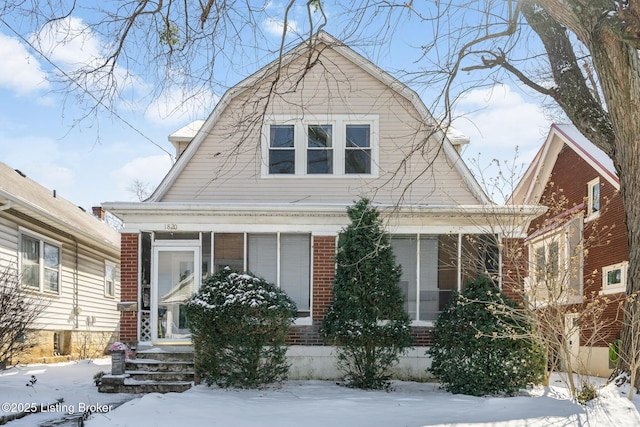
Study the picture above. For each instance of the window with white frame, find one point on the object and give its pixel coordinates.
(593, 198)
(555, 264)
(280, 258)
(614, 278)
(40, 266)
(338, 145)
(110, 277)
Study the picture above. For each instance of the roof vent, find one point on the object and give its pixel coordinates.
(19, 172)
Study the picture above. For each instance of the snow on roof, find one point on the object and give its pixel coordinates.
(188, 132)
(27, 196)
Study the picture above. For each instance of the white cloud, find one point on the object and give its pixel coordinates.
(19, 70)
(148, 170)
(275, 26)
(498, 120)
(176, 107)
(69, 43)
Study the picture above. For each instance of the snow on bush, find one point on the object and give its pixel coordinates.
(239, 324)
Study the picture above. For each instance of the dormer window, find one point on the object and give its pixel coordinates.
(337, 146)
(593, 196)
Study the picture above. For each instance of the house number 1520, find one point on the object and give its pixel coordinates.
(171, 226)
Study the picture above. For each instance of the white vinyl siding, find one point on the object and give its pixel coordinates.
(230, 165)
(81, 273)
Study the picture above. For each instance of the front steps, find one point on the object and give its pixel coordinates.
(158, 369)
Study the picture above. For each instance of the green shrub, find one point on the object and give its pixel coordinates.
(481, 346)
(587, 393)
(239, 324)
(366, 320)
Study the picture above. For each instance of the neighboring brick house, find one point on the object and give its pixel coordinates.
(68, 260)
(582, 236)
(263, 185)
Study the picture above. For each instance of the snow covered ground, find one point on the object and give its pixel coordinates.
(296, 403)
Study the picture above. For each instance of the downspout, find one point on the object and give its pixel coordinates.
(76, 306)
(6, 205)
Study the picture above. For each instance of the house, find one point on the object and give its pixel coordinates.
(581, 240)
(68, 261)
(263, 184)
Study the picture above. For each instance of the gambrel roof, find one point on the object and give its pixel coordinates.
(531, 186)
(447, 141)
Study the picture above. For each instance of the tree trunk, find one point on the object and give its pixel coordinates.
(615, 60)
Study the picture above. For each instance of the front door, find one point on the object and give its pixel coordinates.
(176, 278)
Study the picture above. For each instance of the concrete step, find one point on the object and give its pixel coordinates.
(152, 365)
(186, 376)
(166, 353)
(126, 384)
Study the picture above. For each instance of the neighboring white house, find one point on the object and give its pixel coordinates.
(68, 260)
(263, 184)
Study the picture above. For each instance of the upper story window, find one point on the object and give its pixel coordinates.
(593, 198)
(340, 145)
(319, 149)
(40, 265)
(614, 278)
(282, 153)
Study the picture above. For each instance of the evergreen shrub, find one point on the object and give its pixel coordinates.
(239, 323)
(366, 321)
(482, 344)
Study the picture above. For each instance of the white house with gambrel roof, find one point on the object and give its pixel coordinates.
(263, 184)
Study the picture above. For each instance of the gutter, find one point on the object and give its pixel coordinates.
(7, 205)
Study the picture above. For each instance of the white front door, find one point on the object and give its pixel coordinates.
(176, 277)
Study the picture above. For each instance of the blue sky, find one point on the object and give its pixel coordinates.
(95, 159)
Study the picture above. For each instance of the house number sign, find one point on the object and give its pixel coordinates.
(171, 226)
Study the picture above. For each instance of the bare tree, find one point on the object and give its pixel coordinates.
(544, 44)
(139, 189)
(19, 310)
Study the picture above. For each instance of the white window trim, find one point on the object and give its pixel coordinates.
(115, 280)
(606, 289)
(42, 239)
(339, 123)
(591, 215)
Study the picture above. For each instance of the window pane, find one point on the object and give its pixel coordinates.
(263, 257)
(319, 136)
(229, 251)
(595, 196)
(358, 136)
(295, 253)
(319, 161)
(51, 256)
(30, 261)
(357, 161)
(281, 136)
(404, 248)
(552, 267)
(51, 280)
(282, 161)
(540, 263)
(614, 277)
(429, 293)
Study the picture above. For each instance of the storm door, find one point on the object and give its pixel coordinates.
(176, 277)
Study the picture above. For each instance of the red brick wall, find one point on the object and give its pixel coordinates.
(129, 285)
(605, 240)
(324, 270)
